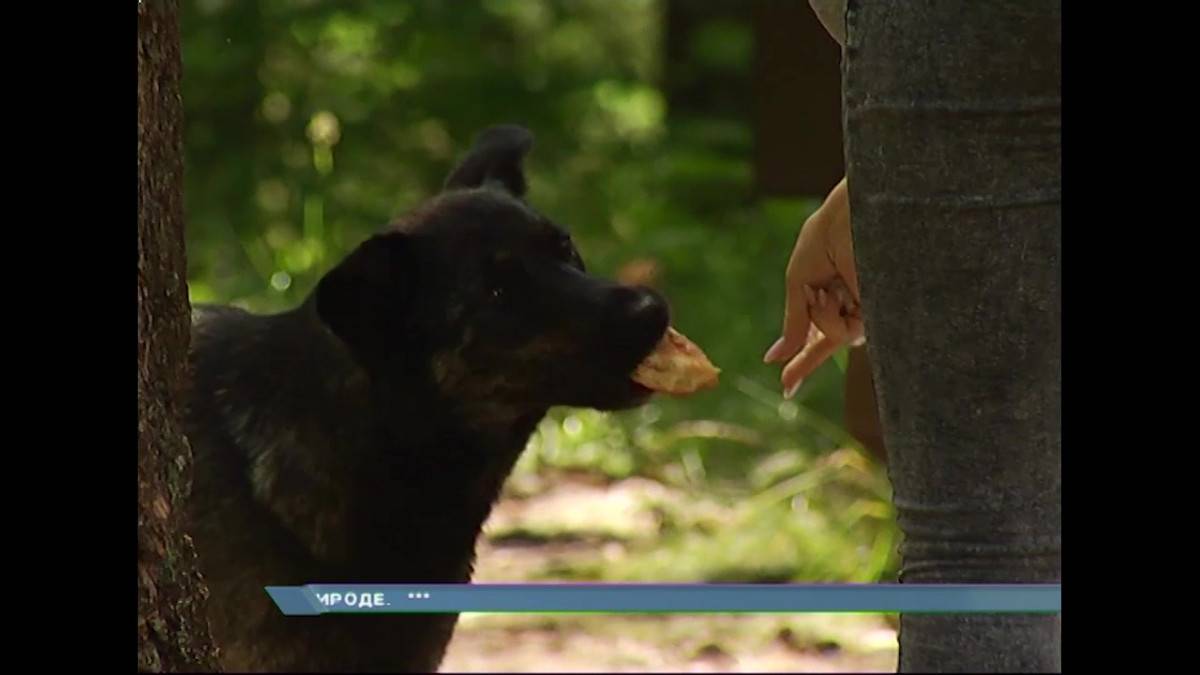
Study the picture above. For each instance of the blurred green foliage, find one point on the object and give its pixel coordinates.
(312, 123)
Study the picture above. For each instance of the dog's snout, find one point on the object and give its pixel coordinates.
(642, 306)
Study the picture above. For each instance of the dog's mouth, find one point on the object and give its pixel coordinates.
(626, 396)
(640, 391)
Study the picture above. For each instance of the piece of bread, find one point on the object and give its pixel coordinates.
(677, 367)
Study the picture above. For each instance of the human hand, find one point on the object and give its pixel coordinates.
(822, 312)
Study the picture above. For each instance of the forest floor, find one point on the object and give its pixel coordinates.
(715, 643)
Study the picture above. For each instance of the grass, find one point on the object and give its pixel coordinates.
(687, 506)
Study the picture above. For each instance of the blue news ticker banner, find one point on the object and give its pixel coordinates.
(667, 598)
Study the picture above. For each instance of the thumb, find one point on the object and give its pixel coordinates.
(815, 352)
(796, 322)
(811, 264)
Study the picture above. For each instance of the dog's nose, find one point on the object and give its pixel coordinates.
(641, 306)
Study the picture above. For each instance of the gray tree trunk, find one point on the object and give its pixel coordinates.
(173, 633)
(952, 114)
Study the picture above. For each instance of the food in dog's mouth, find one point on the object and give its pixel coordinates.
(676, 367)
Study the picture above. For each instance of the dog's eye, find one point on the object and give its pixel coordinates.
(568, 253)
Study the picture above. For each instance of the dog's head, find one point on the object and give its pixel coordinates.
(488, 300)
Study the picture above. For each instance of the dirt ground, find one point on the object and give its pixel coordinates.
(560, 643)
(654, 644)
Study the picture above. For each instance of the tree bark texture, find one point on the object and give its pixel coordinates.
(173, 632)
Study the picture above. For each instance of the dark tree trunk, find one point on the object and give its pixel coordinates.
(173, 632)
(798, 99)
(707, 57)
(952, 114)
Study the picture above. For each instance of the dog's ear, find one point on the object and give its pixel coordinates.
(495, 158)
(365, 299)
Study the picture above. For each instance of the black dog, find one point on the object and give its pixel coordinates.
(364, 436)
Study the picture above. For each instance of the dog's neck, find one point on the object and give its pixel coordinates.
(413, 483)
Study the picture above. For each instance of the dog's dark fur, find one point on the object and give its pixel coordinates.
(364, 436)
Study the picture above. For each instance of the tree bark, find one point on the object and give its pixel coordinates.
(173, 633)
(953, 115)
